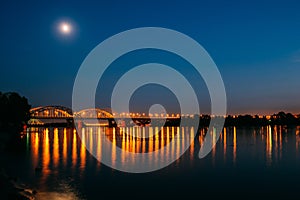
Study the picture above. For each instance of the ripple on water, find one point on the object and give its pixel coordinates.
(57, 196)
(66, 193)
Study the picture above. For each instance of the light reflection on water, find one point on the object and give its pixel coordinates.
(59, 159)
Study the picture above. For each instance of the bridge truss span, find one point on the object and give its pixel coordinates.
(51, 112)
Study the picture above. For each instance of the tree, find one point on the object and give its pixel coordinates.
(14, 110)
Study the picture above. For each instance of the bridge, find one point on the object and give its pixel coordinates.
(45, 112)
(54, 115)
(60, 115)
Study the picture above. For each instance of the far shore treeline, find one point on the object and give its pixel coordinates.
(280, 118)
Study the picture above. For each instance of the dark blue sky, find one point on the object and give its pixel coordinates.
(256, 46)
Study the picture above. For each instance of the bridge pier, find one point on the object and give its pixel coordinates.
(112, 123)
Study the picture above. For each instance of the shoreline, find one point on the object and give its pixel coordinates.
(11, 186)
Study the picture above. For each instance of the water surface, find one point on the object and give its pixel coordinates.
(246, 162)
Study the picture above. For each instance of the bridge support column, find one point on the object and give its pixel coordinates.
(112, 123)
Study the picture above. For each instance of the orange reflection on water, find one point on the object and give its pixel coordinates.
(214, 138)
(201, 137)
(275, 141)
(133, 141)
(123, 146)
(127, 139)
(82, 150)
(55, 148)
(90, 138)
(138, 140)
(61, 146)
(182, 138)
(162, 145)
(144, 141)
(150, 148)
(234, 144)
(46, 154)
(156, 144)
(192, 142)
(114, 150)
(177, 142)
(35, 149)
(280, 143)
(297, 140)
(269, 145)
(168, 140)
(65, 147)
(99, 145)
(224, 143)
(74, 149)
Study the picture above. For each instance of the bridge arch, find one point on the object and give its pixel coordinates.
(51, 112)
(93, 113)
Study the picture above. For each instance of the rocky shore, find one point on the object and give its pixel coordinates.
(11, 187)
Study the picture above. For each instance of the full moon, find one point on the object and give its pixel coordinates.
(65, 28)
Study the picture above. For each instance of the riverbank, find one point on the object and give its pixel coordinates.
(10, 186)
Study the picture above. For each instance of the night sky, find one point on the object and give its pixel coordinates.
(256, 46)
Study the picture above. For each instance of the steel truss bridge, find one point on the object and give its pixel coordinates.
(63, 115)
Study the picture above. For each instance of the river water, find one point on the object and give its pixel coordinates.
(245, 162)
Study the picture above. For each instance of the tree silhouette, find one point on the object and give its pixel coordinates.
(14, 110)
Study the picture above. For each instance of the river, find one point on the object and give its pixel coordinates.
(245, 162)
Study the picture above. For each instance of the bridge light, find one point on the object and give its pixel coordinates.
(46, 112)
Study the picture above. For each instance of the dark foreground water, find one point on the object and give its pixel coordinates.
(245, 163)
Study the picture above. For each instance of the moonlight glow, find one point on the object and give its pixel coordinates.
(65, 28)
